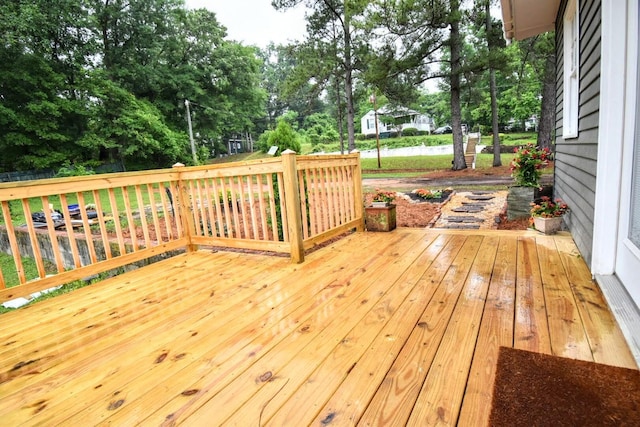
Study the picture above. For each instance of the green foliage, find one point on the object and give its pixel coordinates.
(68, 169)
(319, 128)
(547, 208)
(410, 132)
(527, 164)
(10, 273)
(102, 81)
(284, 137)
(429, 194)
(127, 128)
(263, 141)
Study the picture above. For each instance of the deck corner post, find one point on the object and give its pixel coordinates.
(184, 207)
(292, 205)
(359, 195)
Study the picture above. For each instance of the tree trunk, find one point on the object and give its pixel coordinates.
(547, 110)
(456, 122)
(340, 113)
(497, 161)
(348, 84)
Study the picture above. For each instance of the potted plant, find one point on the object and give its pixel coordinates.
(526, 169)
(381, 214)
(382, 198)
(546, 215)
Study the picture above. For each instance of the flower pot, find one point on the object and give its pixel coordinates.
(379, 204)
(380, 218)
(547, 225)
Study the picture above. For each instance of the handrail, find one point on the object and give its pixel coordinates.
(102, 222)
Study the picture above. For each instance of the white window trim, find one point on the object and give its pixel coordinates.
(613, 89)
(571, 70)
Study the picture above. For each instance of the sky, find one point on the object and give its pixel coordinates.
(255, 22)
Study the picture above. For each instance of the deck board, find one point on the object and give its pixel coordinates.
(496, 329)
(376, 328)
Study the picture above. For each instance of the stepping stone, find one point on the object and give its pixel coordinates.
(462, 226)
(468, 209)
(465, 219)
(472, 197)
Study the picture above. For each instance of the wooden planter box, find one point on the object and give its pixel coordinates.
(380, 218)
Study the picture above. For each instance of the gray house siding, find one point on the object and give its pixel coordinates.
(575, 169)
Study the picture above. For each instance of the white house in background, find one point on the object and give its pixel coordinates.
(597, 138)
(411, 119)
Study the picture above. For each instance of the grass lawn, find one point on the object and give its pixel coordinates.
(10, 275)
(35, 204)
(405, 141)
(428, 163)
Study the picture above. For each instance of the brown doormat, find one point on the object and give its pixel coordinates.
(540, 390)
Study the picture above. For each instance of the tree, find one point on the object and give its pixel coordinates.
(277, 64)
(455, 49)
(90, 80)
(546, 47)
(320, 128)
(414, 33)
(43, 52)
(129, 129)
(491, 58)
(284, 137)
(325, 17)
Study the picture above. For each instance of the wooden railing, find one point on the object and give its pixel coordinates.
(86, 225)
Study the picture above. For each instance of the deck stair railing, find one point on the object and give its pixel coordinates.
(73, 228)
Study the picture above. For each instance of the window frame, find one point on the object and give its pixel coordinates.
(571, 73)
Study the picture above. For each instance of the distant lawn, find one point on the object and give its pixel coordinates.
(35, 203)
(511, 138)
(428, 163)
(410, 166)
(370, 144)
(10, 273)
(240, 157)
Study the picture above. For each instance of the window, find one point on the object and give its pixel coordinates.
(371, 124)
(571, 71)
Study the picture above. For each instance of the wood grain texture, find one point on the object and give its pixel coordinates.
(373, 329)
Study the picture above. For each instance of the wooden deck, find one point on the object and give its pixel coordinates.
(375, 329)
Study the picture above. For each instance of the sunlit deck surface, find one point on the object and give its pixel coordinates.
(375, 329)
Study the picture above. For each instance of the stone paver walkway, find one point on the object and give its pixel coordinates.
(472, 210)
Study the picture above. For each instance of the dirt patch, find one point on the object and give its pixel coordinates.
(410, 213)
(515, 224)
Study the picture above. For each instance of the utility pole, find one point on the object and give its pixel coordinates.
(193, 145)
(372, 98)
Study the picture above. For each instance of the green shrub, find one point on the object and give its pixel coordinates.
(284, 137)
(69, 169)
(410, 132)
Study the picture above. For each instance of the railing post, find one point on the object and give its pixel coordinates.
(358, 195)
(292, 205)
(184, 208)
